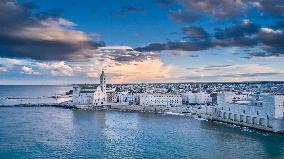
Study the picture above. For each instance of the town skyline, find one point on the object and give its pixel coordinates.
(150, 41)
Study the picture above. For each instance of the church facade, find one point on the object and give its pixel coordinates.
(90, 94)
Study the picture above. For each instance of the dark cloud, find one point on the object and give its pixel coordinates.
(274, 7)
(178, 45)
(22, 30)
(195, 33)
(217, 66)
(245, 34)
(272, 38)
(244, 29)
(215, 8)
(13, 47)
(191, 10)
(242, 34)
(271, 42)
(239, 41)
(127, 10)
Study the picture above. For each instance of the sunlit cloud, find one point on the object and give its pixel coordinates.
(56, 68)
(29, 70)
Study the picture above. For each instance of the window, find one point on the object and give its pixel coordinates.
(257, 113)
(244, 111)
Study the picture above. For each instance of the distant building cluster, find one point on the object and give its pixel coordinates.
(253, 104)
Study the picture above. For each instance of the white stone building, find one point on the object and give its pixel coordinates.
(232, 97)
(265, 112)
(125, 98)
(196, 98)
(89, 94)
(148, 99)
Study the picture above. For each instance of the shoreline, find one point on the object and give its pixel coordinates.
(195, 116)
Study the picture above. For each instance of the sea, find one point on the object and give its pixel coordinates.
(33, 94)
(49, 132)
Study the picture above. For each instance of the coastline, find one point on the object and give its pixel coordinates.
(175, 111)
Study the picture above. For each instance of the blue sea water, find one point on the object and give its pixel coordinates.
(47, 132)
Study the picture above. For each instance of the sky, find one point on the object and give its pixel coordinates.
(65, 42)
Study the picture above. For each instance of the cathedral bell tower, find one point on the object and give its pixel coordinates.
(103, 81)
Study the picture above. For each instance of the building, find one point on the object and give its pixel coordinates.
(148, 99)
(89, 94)
(262, 111)
(128, 98)
(232, 97)
(196, 98)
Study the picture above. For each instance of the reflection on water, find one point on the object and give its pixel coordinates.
(63, 133)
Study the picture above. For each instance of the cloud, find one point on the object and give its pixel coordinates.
(29, 70)
(192, 10)
(177, 45)
(195, 9)
(14, 61)
(231, 73)
(124, 54)
(274, 7)
(40, 36)
(56, 68)
(271, 41)
(216, 67)
(123, 65)
(244, 34)
(150, 70)
(127, 10)
(154, 70)
(3, 68)
(234, 78)
(180, 53)
(195, 33)
(244, 29)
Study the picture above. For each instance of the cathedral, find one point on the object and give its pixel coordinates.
(90, 94)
